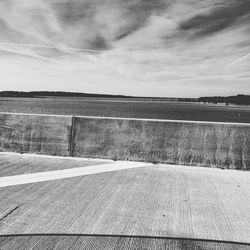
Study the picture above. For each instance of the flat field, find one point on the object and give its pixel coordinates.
(127, 108)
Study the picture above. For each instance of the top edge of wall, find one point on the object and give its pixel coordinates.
(131, 119)
(34, 114)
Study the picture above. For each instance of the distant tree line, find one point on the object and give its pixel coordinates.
(239, 99)
(187, 99)
(55, 93)
(44, 94)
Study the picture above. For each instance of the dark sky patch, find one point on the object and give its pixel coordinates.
(140, 10)
(217, 19)
(71, 12)
(99, 43)
(133, 14)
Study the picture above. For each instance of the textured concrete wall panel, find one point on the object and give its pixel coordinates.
(198, 144)
(35, 134)
(185, 143)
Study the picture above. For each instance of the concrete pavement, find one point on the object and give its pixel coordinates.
(143, 200)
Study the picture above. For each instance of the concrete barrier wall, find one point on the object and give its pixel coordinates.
(187, 143)
(35, 134)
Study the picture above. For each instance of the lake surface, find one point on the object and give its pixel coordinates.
(127, 108)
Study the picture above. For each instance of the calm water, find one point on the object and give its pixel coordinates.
(127, 108)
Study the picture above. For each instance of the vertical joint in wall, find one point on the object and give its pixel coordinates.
(71, 152)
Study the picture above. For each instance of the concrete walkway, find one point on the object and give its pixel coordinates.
(143, 200)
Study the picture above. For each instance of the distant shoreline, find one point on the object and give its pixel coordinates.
(236, 100)
(45, 94)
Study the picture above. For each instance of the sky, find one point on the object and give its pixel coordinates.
(165, 48)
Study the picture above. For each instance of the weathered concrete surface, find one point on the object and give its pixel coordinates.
(187, 143)
(110, 242)
(160, 201)
(42, 134)
(21, 164)
(44, 176)
(224, 145)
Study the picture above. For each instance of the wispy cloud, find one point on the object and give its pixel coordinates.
(160, 47)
